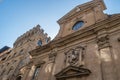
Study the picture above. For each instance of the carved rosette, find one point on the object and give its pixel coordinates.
(103, 42)
(74, 57)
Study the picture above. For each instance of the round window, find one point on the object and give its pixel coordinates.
(78, 25)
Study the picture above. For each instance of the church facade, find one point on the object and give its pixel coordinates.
(86, 47)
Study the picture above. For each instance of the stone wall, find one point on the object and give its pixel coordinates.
(18, 58)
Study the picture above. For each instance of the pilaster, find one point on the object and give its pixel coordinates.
(106, 55)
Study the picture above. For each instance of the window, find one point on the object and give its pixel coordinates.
(3, 59)
(9, 57)
(36, 73)
(9, 52)
(14, 55)
(78, 25)
(47, 40)
(39, 43)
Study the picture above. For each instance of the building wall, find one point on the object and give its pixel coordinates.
(101, 57)
(19, 55)
(89, 53)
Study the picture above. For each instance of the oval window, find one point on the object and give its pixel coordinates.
(77, 25)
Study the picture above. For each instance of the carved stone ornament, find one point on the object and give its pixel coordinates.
(103, 42)
(74, 57)
(52, 55)
(71, 72)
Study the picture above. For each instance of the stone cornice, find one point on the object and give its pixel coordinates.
(83, 33)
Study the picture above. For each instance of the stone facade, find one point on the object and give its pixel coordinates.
(90, 52)
(13, 65)
(85, 48)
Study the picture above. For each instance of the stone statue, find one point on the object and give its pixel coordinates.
(74, 57)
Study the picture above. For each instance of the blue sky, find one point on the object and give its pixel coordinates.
(18, 16)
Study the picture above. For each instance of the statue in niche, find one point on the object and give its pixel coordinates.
(74, 57)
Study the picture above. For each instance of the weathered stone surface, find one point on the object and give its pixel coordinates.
(14, 61)
(96, 37)
(89, 53)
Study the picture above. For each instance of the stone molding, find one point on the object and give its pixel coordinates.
(89, 31)
(71, 72)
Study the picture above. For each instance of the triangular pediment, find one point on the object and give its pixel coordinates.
(72, 71)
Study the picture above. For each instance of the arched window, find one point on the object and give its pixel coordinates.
(36, 72)
(78, 25)
(39, 43)
(47, 40)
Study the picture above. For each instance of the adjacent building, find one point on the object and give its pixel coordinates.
(14, 59)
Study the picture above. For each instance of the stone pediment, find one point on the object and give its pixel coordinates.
(72, 71)
(81, 8)
(85, 15)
